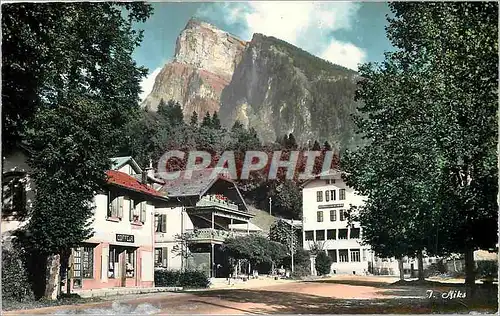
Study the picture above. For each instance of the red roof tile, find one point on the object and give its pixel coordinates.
(129, 182)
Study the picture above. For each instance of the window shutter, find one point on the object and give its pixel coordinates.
(109, 204)
(164, 257)
(120, 206)
(164, 223)
(131, 210)
(143, 211)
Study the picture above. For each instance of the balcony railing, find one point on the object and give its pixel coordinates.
(211, 234)
(214, 200)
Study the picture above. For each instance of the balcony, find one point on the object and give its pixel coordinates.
(209, 234)
(217, 200)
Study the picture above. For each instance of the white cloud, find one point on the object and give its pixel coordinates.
(308, 25)
(147, 83)
(345, 54)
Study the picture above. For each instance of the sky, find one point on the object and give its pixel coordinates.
(345, 33)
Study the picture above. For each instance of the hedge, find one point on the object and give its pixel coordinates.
(187, 279)
(15, 282)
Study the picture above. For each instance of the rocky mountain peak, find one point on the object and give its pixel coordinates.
(204, 46)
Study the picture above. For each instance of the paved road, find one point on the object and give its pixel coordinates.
(326, 296)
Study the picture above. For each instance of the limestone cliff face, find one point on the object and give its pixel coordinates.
(279, 89)
(204, 61)
(266, 84)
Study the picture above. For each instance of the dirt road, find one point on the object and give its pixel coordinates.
(351, 295)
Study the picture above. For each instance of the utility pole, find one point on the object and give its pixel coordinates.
(291, 241)
(270, 205)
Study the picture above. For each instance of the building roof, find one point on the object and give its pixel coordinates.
(292, 222)
(251, 227)
(328, 174)
(118, 162)
(199, 182)
(126, 181)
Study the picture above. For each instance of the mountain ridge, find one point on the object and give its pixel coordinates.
(266, 83)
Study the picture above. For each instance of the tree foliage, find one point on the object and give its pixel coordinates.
(51, 50)
(323, 263)
(281, 232)
(254, 248)
(65, 96)
(430, 115)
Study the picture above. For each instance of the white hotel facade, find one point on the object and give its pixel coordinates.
(326, 202)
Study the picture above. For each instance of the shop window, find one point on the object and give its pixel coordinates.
(130, 263)
(343, 255)
(114, 259)
(355, 255)
(309, 235)
(83, 264)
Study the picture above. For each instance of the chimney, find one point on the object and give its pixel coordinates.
(150, 170)
(144, 177)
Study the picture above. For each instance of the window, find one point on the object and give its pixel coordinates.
(364, 254)
(328, 181)
(114, 256)
(343, 255)
(327, 196)
(320, 235)
(158, 257)
(161, 223)
(319, 196)
(331, 234)
(354, 233)
(342, 194)
(131, 210)
(319, 216)
(130, 263)
(355, 255)
(344, 214)
(115, 207)
(13, 194)
(83, 264)
(333, 215)
(332, 254)
(143, 209)
(333, 195)
(161, 257)
(342, 233)
(309, 235)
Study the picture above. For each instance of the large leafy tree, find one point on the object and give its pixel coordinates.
(430, 113)
(283, 233)
(52, 49)
(254, 248)
(69, 84)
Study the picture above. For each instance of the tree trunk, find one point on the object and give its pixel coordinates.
(69, 271)
(470, 277)
(420, 258)
(53, 277)
(401, 270)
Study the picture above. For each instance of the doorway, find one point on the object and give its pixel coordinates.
(122, 264)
